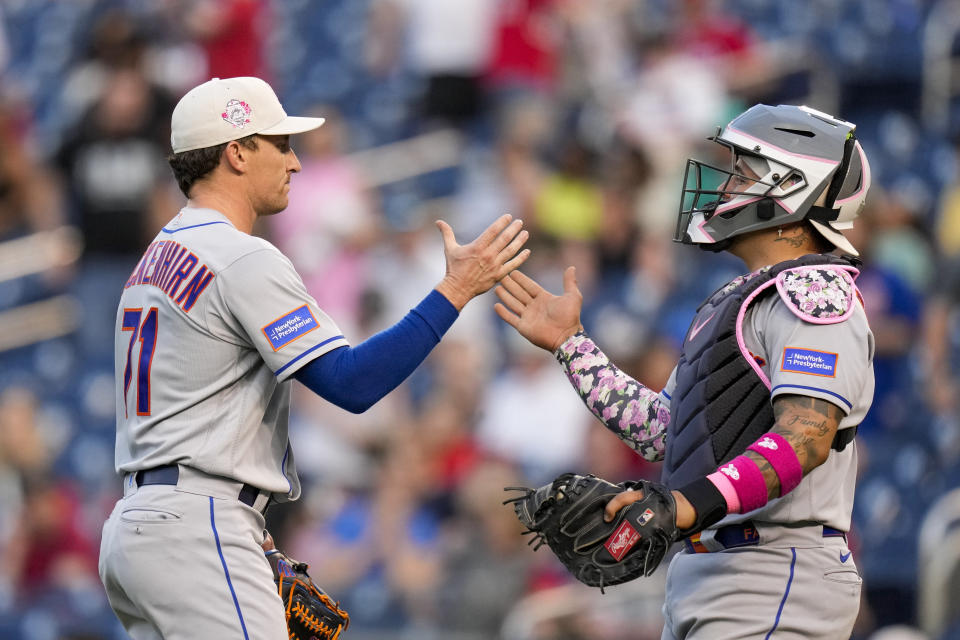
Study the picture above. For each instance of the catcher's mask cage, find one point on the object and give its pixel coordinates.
(787, 164)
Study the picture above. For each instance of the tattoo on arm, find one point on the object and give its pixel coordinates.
(809, 425)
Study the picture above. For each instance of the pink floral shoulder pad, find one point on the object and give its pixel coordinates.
(819, 294)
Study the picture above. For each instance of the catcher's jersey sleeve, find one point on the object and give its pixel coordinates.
(263, 299)
(833, 362)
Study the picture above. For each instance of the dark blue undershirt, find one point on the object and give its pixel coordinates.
(355, 378)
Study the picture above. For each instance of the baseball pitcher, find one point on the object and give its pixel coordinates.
(212, 327)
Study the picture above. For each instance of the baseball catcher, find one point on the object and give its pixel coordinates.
(311, 613)
(756, 424)
(568, 515)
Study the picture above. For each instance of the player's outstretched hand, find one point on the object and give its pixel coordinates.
(539, 316)
(473, 268)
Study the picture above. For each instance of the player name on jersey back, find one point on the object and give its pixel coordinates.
(167, 265)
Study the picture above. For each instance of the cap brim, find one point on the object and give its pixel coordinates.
(291, 125)
(838, 239)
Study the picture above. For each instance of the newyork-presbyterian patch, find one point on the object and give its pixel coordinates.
(289, 327)
(809, 361)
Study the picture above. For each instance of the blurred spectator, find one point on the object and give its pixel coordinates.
(526, 48)
(507, 177)
(50, 549)
(23, 453)
(894, 309)
(449, 46)
(43, 543)
(28, 200)
(710, 32)
(117, 41)
(119, 191)
(488, 562)
(899, 240)
(671, 102)
(569, 205)
(231, 33)
(529, 417)
(379, 550)
(113, 163)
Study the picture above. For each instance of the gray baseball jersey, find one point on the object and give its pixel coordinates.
(833, 362)
(211, 324)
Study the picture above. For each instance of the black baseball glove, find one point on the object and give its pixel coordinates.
(567, 515)
(311, 614)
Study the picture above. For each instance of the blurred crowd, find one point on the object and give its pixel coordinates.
(575, 116)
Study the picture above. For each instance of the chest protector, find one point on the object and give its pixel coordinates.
(721, 404)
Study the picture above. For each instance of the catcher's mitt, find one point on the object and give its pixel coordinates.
(311, 614)
(567, 515)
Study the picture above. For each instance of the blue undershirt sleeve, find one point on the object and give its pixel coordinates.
(355, 378)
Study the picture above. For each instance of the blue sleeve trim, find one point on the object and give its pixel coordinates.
(193, 226)
(226, 572)
(311, 349)
(800, 386)
(356, 378)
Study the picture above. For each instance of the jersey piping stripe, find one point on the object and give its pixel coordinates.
(226, 572)
(800, 386)
(665, 394)
(786, 593)
(313, 348)
(193, 226)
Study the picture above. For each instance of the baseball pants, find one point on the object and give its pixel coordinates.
(184, 561)
(794, 585)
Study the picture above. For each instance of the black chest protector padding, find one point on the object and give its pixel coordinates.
(720, 405)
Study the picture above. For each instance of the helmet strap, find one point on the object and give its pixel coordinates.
(823, 214)
(838, 178)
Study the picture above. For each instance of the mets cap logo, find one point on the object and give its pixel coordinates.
(237, 113)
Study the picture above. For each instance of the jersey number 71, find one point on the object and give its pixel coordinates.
(146, 333)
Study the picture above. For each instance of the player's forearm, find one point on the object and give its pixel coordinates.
(627, 408)
(771, 467)
(356, 378)
(809, 426)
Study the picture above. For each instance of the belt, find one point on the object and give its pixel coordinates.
(170, 474)
(742, 534)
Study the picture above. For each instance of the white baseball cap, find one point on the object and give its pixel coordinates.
(218, 111)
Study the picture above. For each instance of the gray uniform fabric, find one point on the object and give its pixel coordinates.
(795, 583)
(210, 326)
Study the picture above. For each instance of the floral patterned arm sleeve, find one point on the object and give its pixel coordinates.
(626, 407)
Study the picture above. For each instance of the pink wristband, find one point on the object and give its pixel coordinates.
(781, 456)
(725, 487)
(744, 474)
